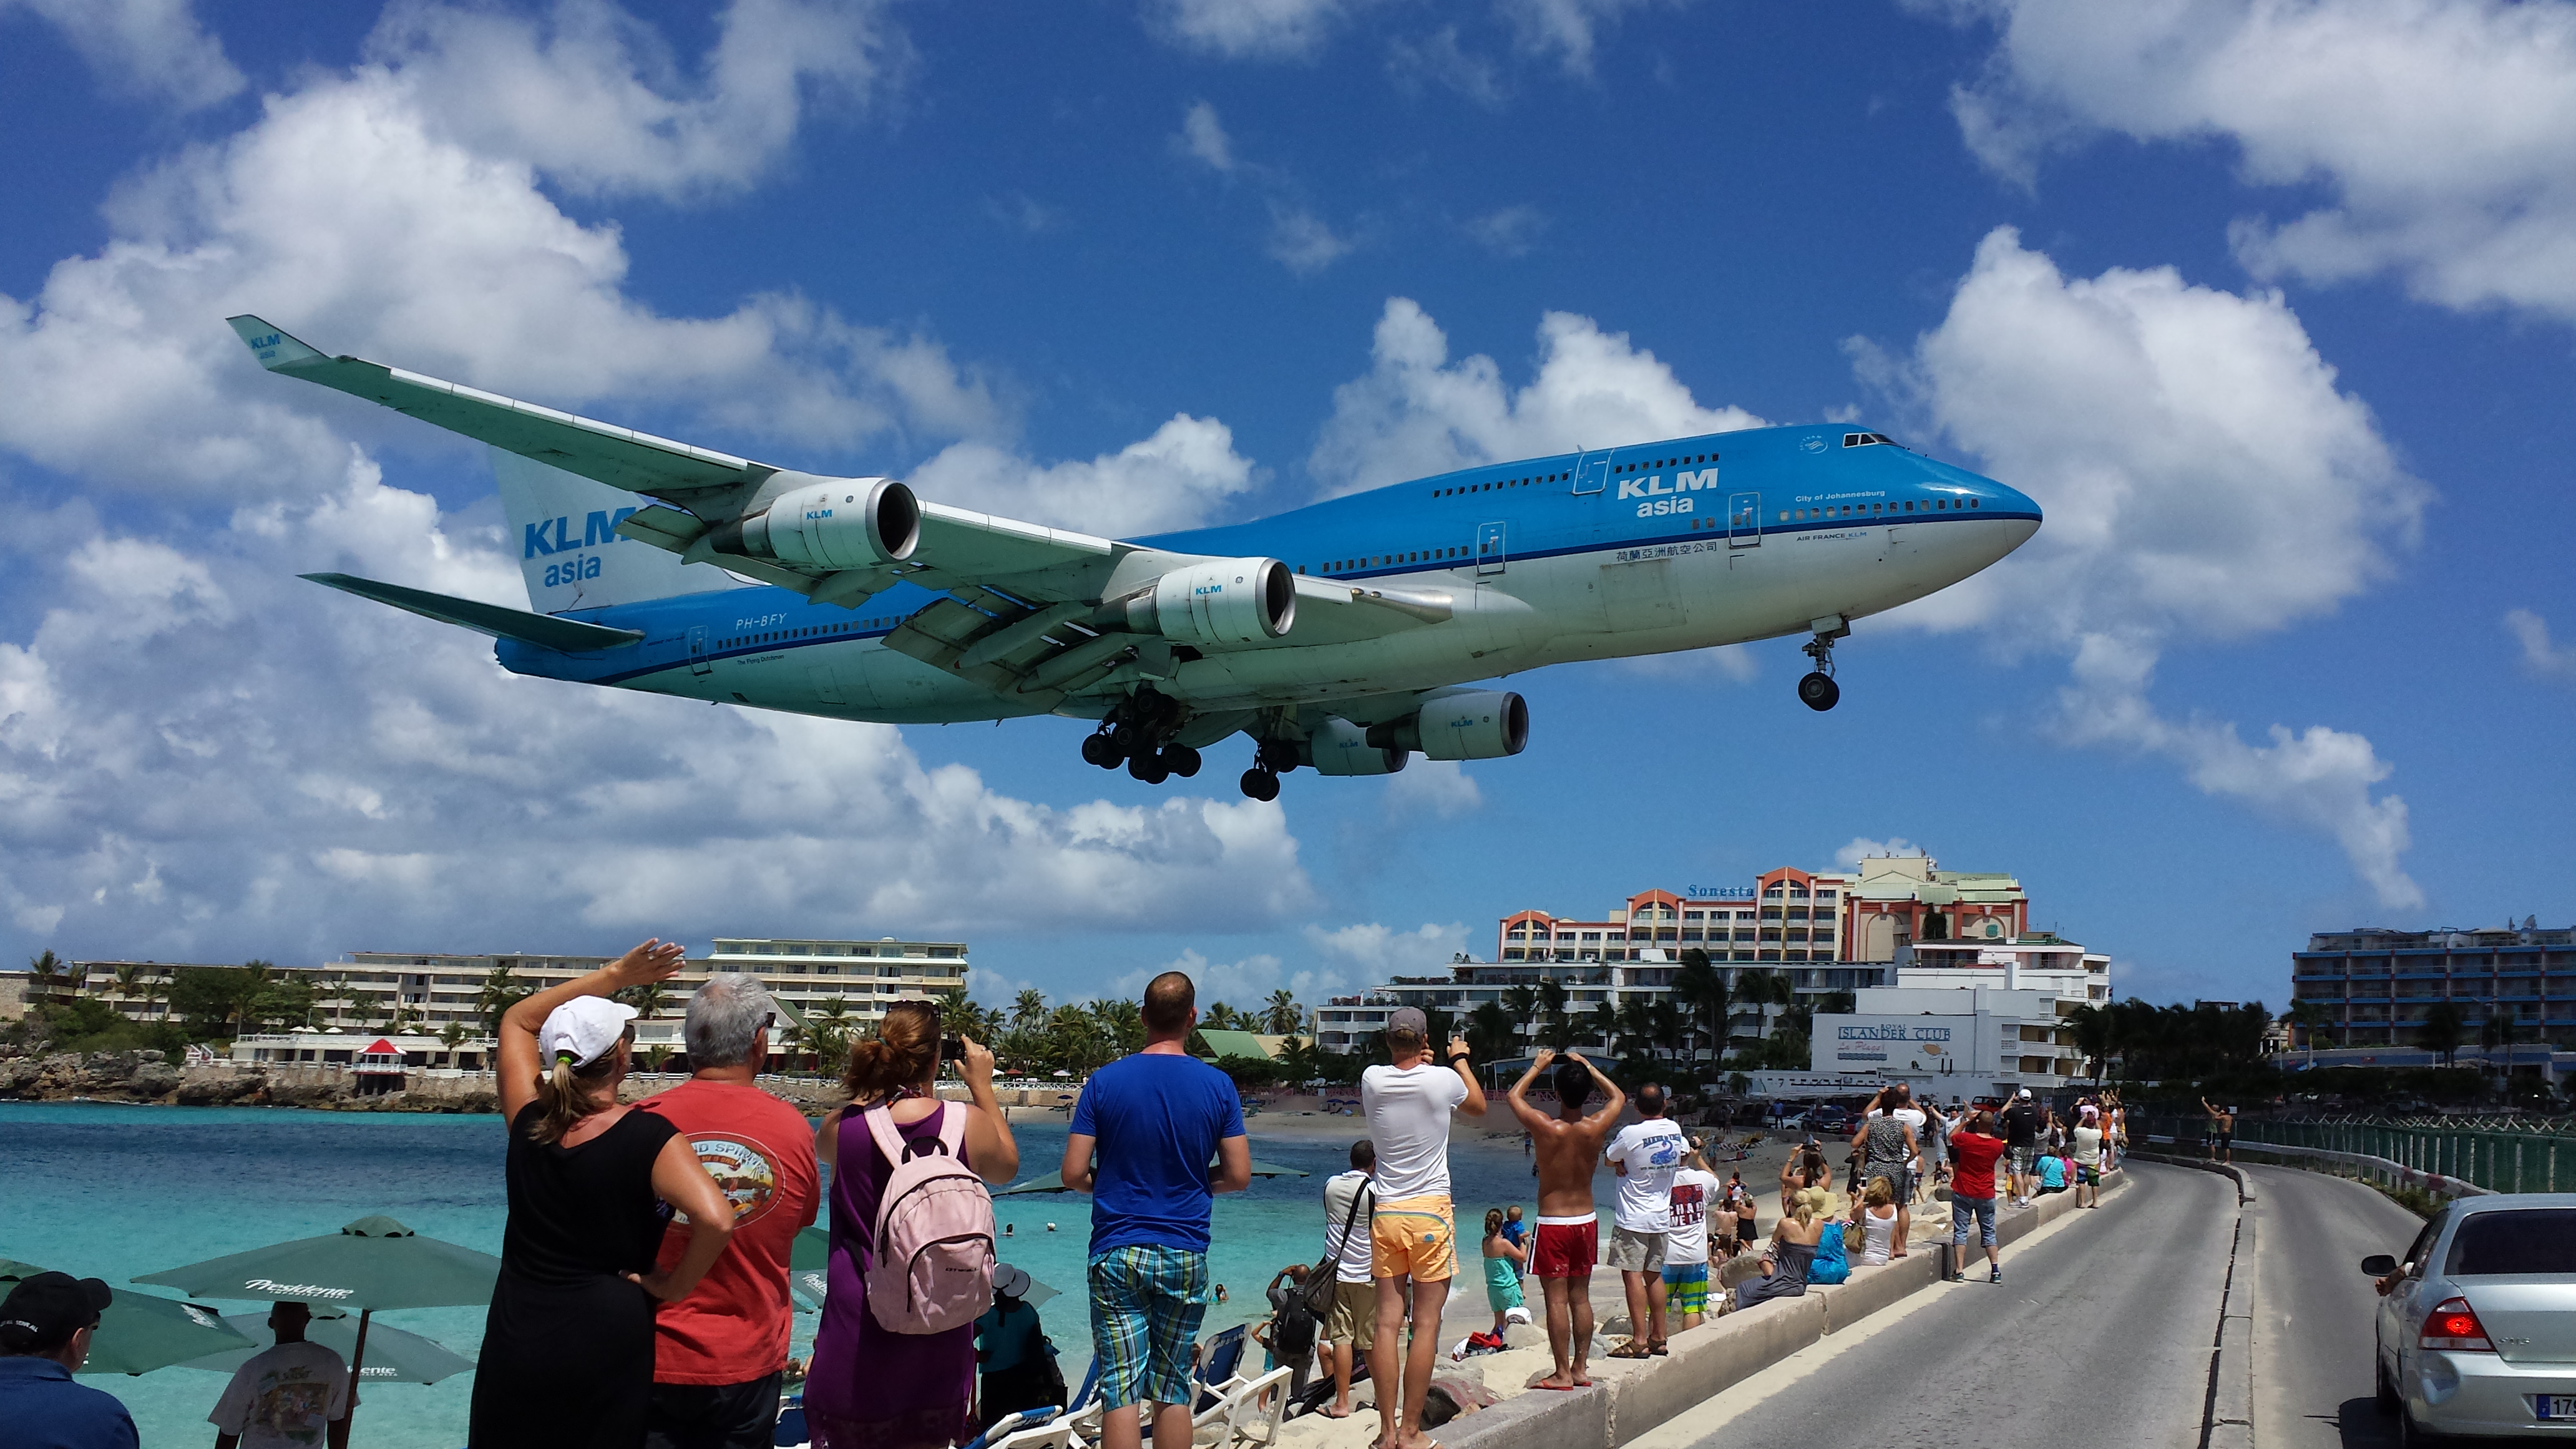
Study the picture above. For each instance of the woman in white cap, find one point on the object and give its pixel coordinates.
(568, 1343)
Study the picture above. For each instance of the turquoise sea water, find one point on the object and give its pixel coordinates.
(112, 1192)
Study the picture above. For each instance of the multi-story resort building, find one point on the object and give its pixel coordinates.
(2377, 985)
(1825, 934)
(369, 994)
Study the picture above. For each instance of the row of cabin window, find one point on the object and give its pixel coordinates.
(1666, 463)
(1505, 483)
(1419, 555)
(1848, 510)
(816, 632)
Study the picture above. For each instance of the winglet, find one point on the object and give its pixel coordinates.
(273, 347)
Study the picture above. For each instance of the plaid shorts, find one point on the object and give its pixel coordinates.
(1146, 1304)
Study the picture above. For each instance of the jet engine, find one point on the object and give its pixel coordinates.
(830, 523)
(1229, 601)
(1484, 724)
(1343, 748)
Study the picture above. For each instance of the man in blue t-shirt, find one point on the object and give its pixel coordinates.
(1156, 1121)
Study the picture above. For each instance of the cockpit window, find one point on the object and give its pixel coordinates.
(1865, 440)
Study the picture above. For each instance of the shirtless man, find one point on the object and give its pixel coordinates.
(2222, 1146)
(1569, 1242)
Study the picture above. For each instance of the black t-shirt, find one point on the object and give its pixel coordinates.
(2021, 1126)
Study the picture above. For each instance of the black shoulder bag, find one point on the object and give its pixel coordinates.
(1320, 1288)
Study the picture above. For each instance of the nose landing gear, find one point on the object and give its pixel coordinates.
(1816, 689)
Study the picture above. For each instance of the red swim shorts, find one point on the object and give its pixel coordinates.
(1567, 1248)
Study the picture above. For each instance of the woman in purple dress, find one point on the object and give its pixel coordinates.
(870, 1387)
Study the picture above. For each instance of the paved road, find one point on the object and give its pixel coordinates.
(2313, 1308)
(2101, 1333)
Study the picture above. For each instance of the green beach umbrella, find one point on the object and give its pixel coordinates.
(139, 1333)
(374, 1263)
(393, 1356)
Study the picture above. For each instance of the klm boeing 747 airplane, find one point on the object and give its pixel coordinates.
(1346, 636)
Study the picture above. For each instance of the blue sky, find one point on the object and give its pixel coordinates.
(2268, 303)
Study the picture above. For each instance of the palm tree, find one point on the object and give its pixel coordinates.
(1491, 1032)
(1551, 1007)
(46, 975)
(454, 1035)
(1698, 989)
(2094, 1029)
(2310, 1017)
(500, 991)
(1122, 1027)
(827, 1034)
(2442, 1029)
(1602, 1022)
(1763, 989)
(1218, 1017)
(1028, 1009)
(648, 999)
(1522, 1002)
(1286, 1014)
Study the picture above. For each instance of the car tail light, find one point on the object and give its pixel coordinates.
(2454, 1325)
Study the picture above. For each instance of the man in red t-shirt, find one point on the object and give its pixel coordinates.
(720, 1354)
(1974, 1150)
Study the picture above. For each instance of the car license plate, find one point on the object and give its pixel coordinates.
(2554, 1406)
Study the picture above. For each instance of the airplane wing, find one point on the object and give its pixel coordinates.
(703, 488)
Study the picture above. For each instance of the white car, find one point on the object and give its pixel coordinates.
(2477, 1323)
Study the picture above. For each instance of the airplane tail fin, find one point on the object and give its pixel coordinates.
(565, 528)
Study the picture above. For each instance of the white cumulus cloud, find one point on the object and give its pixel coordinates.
(2203, 476)
(1417, 413)
(2539, 655)
(1179, 477)
(1569, 30)
(1373, 951)
(1861, 847)
(1440, 788)
(2440, 129)
(143, 47)
(1251, 29)
(594, 97)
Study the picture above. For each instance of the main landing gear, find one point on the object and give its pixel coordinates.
(1817, 690)
(1138, 734)
(1270, 760)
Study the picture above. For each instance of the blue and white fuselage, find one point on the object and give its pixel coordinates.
(1684, 544)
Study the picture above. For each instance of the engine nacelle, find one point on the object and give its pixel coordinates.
(1484, 724)
(832, 523)
(1229, 601)
(1343, 748)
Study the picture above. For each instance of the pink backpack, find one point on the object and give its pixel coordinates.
(933, 1269)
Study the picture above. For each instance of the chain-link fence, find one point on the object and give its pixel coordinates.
(2501, 1155)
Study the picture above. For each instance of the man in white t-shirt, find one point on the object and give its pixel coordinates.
(1696, 1195)
(1645, 1154)
(1413, 1234)
(2088, 1157)
(1350, 1198)
(291, 1396)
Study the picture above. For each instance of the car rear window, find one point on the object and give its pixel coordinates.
(2531, 1240)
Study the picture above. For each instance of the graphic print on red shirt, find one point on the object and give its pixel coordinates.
(733, 1327)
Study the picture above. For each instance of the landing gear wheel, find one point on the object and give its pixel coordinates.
(1181, 760)
(1148, 768)
(1101, 750)
(1817, 691)
(1260, 784)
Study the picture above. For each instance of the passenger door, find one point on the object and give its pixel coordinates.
(1591, 471)
(1489, 549)
(1744, 520)
(698, 661)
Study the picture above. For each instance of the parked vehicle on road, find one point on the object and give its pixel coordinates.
(2477, 1322)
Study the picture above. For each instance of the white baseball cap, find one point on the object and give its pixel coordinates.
(2025, 1094)
(584, 1029)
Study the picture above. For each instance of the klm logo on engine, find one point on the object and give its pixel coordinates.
(554, 536)
(1654, 487)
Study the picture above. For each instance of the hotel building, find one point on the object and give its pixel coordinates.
(2376, 985)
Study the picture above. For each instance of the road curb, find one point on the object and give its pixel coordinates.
(1627, 1400)
(2244, 1192)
